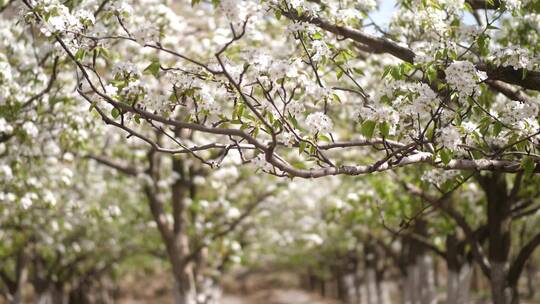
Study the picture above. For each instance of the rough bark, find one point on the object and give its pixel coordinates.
(531, 271)
(51, 294)
(175, 238)
(371, 278)
(458, 285)
(419, 276)
(13, 286)
(460, 271)
(499, 225)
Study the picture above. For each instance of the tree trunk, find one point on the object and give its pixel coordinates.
(14, 287)
(184, 292)
(175, 238)
(419, 275)
(370, 286)
(379, 285)
(499, 225)
(460, 272)
(459, 284)
(531, 274)
(357, 285)
(341, 288)
(51, 294)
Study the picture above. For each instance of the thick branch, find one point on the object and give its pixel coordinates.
(111, 164)
(519, 263)
(531, 80)
(376, 44)
(460, 220)
(483, 4)
(508, 91)
(426, 243)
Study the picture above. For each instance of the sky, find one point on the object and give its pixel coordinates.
(387, 8)
(383, 14)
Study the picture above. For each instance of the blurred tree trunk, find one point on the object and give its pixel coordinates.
(371, 283)
(21, 277)
(459, 272)
(499, 225)
(531, 271)
(419, 276)
(51, 293)
(175, 238)
(14, 286)
(459, 282)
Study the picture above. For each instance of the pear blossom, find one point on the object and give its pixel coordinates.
(319, 123)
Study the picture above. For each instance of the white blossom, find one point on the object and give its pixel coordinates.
(319, 122)
(30, 129)
(5, 127)
(450, 137)
(462, 76)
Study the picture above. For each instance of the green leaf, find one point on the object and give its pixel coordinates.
(432, 74)
(294, 122)
(278, 14)
(153, 68)
(317, 36)
(386, 71)
(384, 128)
(396, 72)
(406, 67)
(497, 128)
(528, 166)
(323, 138)
(92, 107)
(368, 127)
(115, 113)
(302, 147)
(446, 156)
(80, 54)
(339, 74)
(447, 185)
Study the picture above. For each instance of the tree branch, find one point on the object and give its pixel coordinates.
(460, 220)
(111, 164)
(519, 263)
(524, 78)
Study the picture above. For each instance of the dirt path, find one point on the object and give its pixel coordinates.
(276, 296)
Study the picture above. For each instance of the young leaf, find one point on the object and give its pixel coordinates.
(302, 147)
(528, 166)
(446, 156)
(384, 128)
(368, 127)
(115, 113)
(153, 68)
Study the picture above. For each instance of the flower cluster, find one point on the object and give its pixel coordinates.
(320, 49)
(5, 127)
(516, 57)
(319, 123)
(30, 129)
(260, 162)
(519, 115)
(438, 177)
(423, 102)
(450, 137)
(462, 76)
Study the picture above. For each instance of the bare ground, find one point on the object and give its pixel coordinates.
(276, 296)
